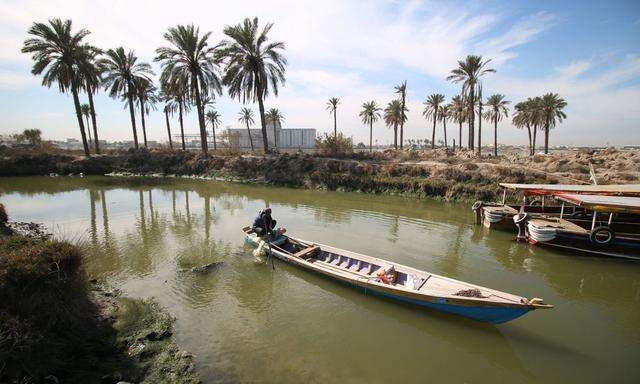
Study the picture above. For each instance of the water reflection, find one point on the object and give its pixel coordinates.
(245, 321)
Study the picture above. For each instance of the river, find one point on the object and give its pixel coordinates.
(246, 322)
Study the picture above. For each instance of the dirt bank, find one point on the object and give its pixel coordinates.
(55, 326)
(435, 173)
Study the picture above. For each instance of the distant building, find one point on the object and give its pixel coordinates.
(289, 138)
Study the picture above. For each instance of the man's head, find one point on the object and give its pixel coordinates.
(267, 211)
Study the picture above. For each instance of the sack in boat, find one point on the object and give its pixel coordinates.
(388, 275)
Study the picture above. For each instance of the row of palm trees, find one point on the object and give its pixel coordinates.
(542, 112)
(193, 72)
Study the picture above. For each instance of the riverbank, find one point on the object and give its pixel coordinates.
(433, 173)
(56, 326)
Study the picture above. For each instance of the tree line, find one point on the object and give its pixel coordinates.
(193, 72)
(538, 113)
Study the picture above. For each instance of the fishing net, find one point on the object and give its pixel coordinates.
(473, 292)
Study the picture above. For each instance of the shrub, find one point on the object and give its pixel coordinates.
(330, 144)
(4, 218)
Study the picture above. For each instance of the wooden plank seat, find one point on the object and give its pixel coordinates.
(307, 252)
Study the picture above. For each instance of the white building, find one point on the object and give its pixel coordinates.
(286, 139)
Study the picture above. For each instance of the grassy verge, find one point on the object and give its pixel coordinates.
(436, 173)
(57, 327)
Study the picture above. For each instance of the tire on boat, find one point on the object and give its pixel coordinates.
(520, 217)
(602, 235)
(477, 205)
(579, 215)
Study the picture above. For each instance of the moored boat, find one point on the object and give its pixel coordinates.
(500, 215)
(599, 239)
(400, 282)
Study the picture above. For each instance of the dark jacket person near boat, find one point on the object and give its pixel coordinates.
(264, 224)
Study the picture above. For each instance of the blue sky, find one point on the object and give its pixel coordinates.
(588, 52)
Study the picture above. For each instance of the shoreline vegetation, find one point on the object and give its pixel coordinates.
(58, 325)
(438, 173)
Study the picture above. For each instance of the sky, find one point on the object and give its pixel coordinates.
(586, 51)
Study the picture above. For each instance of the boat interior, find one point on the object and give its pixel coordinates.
(362, 268)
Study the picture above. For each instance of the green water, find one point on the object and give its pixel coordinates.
(246, 322)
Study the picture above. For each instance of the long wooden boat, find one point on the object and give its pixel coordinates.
(410, 285)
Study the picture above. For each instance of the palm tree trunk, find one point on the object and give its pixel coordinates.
(133, 117)
(213, 127)
(335, 123)
(144, 126)
(250, 138)
(480, 125)
(265, 144)
(535, 132)
(530, 142)
(275, 136)
(546, 138)
(76, 103)
(203, 131)
(445, 132)
(402, 120)
(166, 118)
(86, 117)
(395, 135)
(471, 115)
(460, 133)
(433, 132)
(371, 136)
(93, 117)
(184, 147)
(495, 136)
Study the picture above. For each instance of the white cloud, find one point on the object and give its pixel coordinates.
(335, 48)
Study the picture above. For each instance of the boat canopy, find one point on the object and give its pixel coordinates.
(552, 189)
(600, 203)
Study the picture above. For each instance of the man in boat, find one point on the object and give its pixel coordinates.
(264, 224)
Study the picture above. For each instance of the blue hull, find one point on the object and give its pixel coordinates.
(493, 315)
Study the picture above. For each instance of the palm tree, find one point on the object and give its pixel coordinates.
(552, 113)
(213, 117)
(370, 114)
(332, 107)
(169, 109)
(522, 118)
(146, 99)
(122, 71)
(56, 51)
(246, 117)
(402, 90)
(86, 112)
(91, 78)
(274, 116)
(392, 117)
(175, 90)
(191, 59)
(469, 73)
(479, 97)
(431, 110)
(459, 114)
(253, 65)
(536, 118)
(444, 115)
(497, 108)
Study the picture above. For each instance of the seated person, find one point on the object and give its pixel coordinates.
(264, 224)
